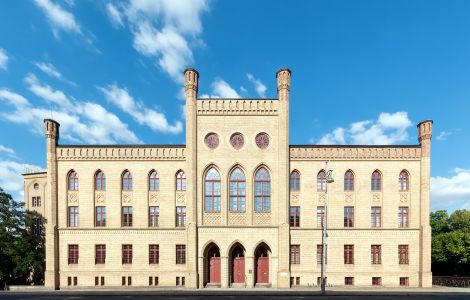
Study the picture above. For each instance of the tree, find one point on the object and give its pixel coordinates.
(460, 220)
(439, 222)
(451, 253)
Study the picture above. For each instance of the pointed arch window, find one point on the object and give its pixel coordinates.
(295, 181)
(376, 181)
(321, 181)
(262, 190)
(153, 181)
(212, 191)
(348, 181)
(237, 190)
(180, 181)
(127, 181)
(72, 181)
(403, 181)
(100, 181)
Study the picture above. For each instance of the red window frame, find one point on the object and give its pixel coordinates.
(376, 216)
(403, 217)
(348, 181)
(403, 181)
(212, 197)
(294, 216)
(348, 254)
(73, 253)
(154, 216)
(180, 216)
(72, 216)
(295, 181)
(321, 216)
(180, 181)
(153, 181)
(295, 254)
(154, 254)
(127, 181)
(349, 216)
(348, 280)
(127, 254)
(127, 216)
(180, 254)
(403, 255)
(100, 181)
(239, 198)
(321, 181)
(376, 280)
(263, 197)
(101, 212)
(376, 254)
(100, 254)
(376, 181)
(320, 254)
(404, 281)
(72, 181)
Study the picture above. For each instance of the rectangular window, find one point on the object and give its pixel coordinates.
(177, 281)
(180, 216)
(319, 280)
(73, 216)
(320, 216)
(100, 216)
(180, 254)
(375, 216)
(129, 280)
(126, 254)
(100, 254)
(75, 280)
(154, 254)
(376, 254)
(376, 280)
(295, 254)
(150, 280)
(297, 280)
(348, 280)
(156, 280)
(348, 216)
(127, 216)
(403, 254)
(97, 280)
(123, 280)
(183, 281)
(320, 254)
(403, 217)
(294, 216)
(73, 254)
(69, 281)
(36, 201)
(348, 254)
(154, 215)
(404, 281)
(102, 280)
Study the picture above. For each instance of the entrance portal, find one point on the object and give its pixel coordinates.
(237, 262)
(212, 265)
(262, 264)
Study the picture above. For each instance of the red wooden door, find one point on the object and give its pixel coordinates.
(214, 273)
(263, 270)
(239, 270)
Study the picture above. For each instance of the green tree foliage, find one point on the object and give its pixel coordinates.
(451, 243)
(21, 244)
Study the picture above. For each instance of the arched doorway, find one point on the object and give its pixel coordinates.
(262, 264)
(212, 265)
(237, 265)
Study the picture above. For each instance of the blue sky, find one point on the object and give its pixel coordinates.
(362, 72)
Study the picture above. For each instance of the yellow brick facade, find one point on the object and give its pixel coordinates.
(223, 231)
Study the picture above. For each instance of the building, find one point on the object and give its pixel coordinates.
(237, 206)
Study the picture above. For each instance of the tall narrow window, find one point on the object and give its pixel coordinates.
(376, 181)
(376, 254)
(100, 181)
(348, 254)
(100, 254)
(348, 181)
(100, 216)
(154, 254)
(321, 181)
(180, 181)
(127, 216)
(153, 181)
(72, 181)
(403, 254)
(262, 191)
(403, 181)
(73, 254)
(295, 181)
(348, 216)
(212, 191)
(375, 216)
(403, 217)
(127, 181)
(237, 190)
(126, 254)
(73, 216)
(320, 216)
(294, 216)
(320, 254)
(180, 216)
(295, 254)
(154, 215)
(180, 254)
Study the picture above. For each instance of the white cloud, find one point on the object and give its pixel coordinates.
(52, 71)
(137, 109)
(3, 59)
(114, 15)
(221, 89)
(452, 192)
(8, 151)
(388, 129)
(47, 93)
(11, 180)
(59, 18)
(259, 86)
(443, 135)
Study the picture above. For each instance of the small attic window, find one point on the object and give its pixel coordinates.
(36, 186)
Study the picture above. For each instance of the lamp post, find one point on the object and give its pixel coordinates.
(328, 179)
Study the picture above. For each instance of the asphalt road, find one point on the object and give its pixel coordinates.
(77, 295)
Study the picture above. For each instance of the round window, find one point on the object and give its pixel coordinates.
(262, 140)
(237, 141)
(212, 140)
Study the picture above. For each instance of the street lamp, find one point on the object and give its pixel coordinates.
(328, 179)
